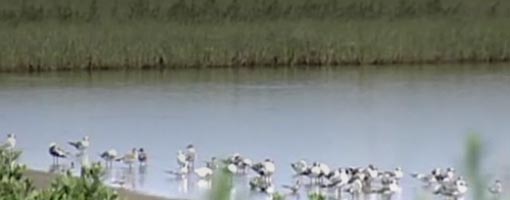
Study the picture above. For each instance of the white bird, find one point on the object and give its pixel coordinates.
(428, 179)
(496, 188)
(181, 159)
(398, 173)
(56, 152)
(457, 188)
(300, 167)
(81, 145)
(129, 158)
(204, 172)
(212, 164)
(294, 189)
(181, 172)
(109, 156)
(10, 142)
(191, 155)
(390, 186)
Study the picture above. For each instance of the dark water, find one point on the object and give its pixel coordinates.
(414, 117)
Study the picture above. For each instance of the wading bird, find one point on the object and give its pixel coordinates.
(81, 145)
(56, 153)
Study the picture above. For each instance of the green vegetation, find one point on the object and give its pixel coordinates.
(113, 34)
(14, 186)
(473, 159)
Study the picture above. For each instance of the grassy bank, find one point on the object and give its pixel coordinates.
(91, 34)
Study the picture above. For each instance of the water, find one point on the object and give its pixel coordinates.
(413, 117)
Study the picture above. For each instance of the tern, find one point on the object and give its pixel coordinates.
(191, 155)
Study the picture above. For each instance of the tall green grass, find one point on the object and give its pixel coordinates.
(113, 34)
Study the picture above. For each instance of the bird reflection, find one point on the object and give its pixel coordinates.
(142, 172)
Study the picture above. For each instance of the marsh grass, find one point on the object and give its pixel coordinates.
(37, 35)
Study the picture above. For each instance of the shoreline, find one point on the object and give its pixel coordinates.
(32, 69)
(42, 180)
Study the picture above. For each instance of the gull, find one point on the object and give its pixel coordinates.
(456, 189)
(496, 188)
(109, 156)
(261, 184)
(337, 178)
(355, 188)
(265, 169)
(191, 155)
(56, 152)
(371, 172)
(142, 157)
(81, 145)
(10, 142)
(300, 167)
(315, 173)
(294, 189)
(129, 158)
(181, 159)
(428, 179)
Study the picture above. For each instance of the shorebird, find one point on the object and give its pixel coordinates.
(261, 184)
(142, 157)
(109, 156)
(82, 144)
(129, 158)
(300, 167)
(56, 152)
(455, 189)
(181, 159)
(294, 189)
(10, 142)
(496, 188)
(191, 155)
(428, 179)
(265, 169)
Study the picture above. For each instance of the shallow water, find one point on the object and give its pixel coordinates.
(413, 117)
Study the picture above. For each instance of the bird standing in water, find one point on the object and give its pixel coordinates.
(81, 145)
(56, 153)
(191, 156)
(142, 157)
(109, 156)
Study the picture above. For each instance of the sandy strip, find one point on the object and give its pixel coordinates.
(43, 179)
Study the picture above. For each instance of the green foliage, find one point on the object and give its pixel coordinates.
(222, 184)
(278, 196)
(316, 196)
(86, 187)
(14, 186)
(473, 159)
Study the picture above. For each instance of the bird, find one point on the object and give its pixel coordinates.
(181, 159)
(191, 155)
(261, 184)
(428, 179)
(204, 172)
(10, 142)
(496, 188)
(294, 189)
(397, 173)
(212, 164)
(300, 167)
(181, 172)
(109, 156)
(56, 152)
(390, 186)
(82, 144)
(129, 158)
(457, 188)
(142, 157)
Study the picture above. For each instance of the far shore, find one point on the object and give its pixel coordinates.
(42, 180)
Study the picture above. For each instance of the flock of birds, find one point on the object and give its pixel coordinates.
(316, 177)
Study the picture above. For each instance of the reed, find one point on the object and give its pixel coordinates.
(112, 34)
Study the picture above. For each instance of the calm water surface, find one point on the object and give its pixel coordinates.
(414, 117)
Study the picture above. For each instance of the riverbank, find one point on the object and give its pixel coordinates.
(91, 35)
(42, 180)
